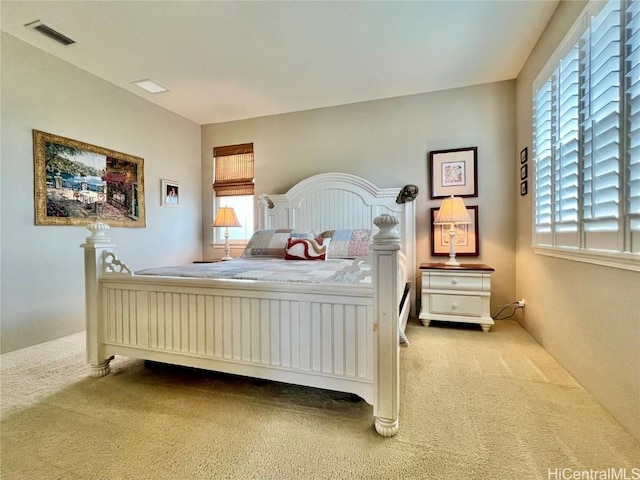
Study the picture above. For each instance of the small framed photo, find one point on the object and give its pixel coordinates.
(523, 155)
(524, 188)
(453, 172)
(467, 240)
(524, 171)
(170, 192)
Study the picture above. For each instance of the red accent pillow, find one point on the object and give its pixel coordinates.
(306, 249)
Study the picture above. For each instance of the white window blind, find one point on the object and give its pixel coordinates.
(600, 124)
(566, 150)
(632, 97)
(542, 152)
(586, 135)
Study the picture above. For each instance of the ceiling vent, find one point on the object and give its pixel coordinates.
(50, 32)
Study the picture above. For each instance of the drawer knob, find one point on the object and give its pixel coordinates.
(454, 281)
(454, 305)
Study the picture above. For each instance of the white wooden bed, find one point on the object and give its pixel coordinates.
(342, 338)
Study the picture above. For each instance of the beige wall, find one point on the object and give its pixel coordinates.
(42, 282)
(587, 316)
(387, 142)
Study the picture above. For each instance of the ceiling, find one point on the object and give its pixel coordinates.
(234, 60)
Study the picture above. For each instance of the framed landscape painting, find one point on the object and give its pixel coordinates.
(77, 183)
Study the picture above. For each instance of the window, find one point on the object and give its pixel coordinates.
(233, 187)
(586, 140)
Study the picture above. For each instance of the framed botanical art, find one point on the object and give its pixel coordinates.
(170, 193)
(453, 172)
(77, 183)
(467, 240)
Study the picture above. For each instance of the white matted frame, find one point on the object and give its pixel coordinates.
(170, 193)
(343, 337)
(467, 240)
(454, 172)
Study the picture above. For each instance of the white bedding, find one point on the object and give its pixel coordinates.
(271, 269)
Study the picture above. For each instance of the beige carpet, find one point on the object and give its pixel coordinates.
(474, 406)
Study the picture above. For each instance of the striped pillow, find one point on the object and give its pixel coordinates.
(307, 249)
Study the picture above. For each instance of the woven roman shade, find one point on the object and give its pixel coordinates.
(233, 170)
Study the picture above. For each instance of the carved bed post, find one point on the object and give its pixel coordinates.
(94, 249)
(264, 204)
(386, 246)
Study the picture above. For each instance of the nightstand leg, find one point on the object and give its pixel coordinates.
(425, 322)
(485, 328)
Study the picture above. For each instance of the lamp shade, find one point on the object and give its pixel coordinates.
(226, 217)
(452, 211)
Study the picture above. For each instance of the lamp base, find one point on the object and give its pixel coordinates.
(227, 249)
(452, 247)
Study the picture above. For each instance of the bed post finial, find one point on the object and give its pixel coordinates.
(386, 248)
(98, 231)
(265, 204)
(95, 246)
(388, 234)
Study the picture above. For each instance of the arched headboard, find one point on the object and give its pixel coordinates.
(331, 201)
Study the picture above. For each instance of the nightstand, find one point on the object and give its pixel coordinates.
(456, 294)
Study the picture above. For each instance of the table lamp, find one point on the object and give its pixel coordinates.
(452, 212)
(226, 217)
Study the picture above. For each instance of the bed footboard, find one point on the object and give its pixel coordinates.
(300, 334)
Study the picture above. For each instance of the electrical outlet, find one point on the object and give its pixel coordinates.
(521, 303)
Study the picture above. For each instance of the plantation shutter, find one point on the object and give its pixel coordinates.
(632, 93)
(600, 125)
(542, 123)
(566, 145)
(233, 173)
(586, 139)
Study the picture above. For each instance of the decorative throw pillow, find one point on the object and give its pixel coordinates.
(348, 243)
(271, 243)
(307, 248)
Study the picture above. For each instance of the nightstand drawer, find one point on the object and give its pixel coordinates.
(455, 282)
(456, 305)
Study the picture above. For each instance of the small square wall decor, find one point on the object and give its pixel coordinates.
(453, 172)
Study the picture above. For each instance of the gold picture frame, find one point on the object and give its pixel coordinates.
(77, 183)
